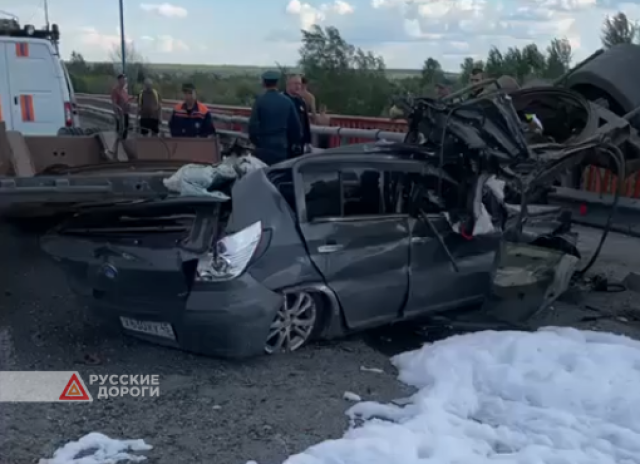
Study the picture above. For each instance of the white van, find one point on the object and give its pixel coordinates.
(35, 91)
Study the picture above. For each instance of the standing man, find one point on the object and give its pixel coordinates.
(477, 76)
(323, 119)
(120, 102)
(191, 118)
(308, 98)
(149, 110)
(274, 125)
(294, 89)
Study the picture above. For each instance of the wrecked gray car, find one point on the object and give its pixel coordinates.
(330, 243)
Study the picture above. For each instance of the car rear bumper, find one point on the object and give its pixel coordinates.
(229, 319)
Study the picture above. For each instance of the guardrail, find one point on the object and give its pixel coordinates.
(593, 209)
(343, 135)
(346, 121)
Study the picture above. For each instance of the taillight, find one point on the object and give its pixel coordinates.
(68, 115)
(232, 255)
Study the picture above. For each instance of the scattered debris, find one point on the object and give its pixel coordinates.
(211, 181)
(375, 370)
(350, 396)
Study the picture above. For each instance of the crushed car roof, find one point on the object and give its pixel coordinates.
(387, 149)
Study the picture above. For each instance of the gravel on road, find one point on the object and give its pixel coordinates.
(208, 410)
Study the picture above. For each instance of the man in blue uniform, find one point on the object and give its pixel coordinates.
(274, 126)
(294, 92)
(191, 118)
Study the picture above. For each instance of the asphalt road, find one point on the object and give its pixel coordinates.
(208, 410)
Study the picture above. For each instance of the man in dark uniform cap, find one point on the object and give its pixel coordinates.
(294, 92)
(274, 126)
(191, 118)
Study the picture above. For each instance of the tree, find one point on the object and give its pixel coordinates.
(431, 73)
(77, 64)
(558, 58)
(617, 30)
(534, 60)
(136, 70)
(345, 78)
(495, 63)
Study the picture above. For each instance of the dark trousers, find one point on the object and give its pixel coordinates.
(149, 125)
(124, 130)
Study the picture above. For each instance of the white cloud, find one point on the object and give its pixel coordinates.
(91, 37)
(341, 8)
(169, 44)
(165, 9)
(310, 15)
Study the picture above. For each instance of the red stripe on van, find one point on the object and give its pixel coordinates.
(22, 49)
(26, 108)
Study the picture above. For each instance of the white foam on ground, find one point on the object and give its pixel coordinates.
(556, 396)
(96, 448)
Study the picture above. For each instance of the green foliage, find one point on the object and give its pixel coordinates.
(618, 30)
(347, 79)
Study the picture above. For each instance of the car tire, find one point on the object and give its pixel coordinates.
(91, 131)
(299, 320)
(71, 131)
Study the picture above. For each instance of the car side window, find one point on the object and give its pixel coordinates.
(362, 192)
(353, 192)
(322, 194)
(429, 194)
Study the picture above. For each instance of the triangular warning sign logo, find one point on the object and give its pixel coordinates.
(74, 391)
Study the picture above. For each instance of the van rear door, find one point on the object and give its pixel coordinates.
(72, 94)
(37, 99)
(5, 94)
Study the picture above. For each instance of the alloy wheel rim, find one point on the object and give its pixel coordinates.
(293, 323)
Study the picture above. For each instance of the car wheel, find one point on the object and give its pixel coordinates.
(296, 322)
(91, 131)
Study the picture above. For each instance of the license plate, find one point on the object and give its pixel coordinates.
(159, 329)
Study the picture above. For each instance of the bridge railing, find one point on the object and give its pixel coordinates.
(337, 120)
(236, 126)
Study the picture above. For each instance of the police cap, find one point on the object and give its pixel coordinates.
(270, 76)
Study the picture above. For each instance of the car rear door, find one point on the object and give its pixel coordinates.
(355, 236)
(37, 101)
(6, 114)
(447, 270)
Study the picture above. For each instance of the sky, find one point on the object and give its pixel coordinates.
(265, 32)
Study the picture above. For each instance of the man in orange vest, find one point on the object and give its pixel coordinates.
(191, 118)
